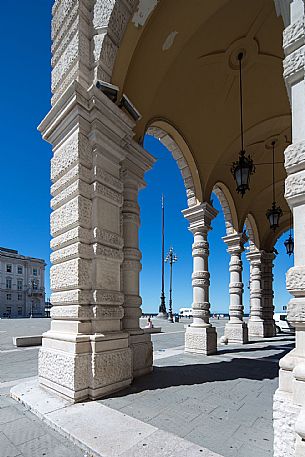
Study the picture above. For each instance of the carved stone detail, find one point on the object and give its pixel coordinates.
(294, 62)
(295, 279)
(295, 184)
(293, 33)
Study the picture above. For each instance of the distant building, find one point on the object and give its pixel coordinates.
(22, 291)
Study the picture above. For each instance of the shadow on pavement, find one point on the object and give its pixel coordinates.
(181, 375)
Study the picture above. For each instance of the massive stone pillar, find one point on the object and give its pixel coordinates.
(134, 166)
(87, 351)
(261, 322)
(236, 329)
(289, 399)
(200, 336)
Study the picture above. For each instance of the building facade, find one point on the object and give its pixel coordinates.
(22, 292)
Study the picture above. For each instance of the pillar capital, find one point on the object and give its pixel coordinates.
(200, 217)
(235, 242)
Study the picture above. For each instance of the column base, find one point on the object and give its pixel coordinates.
(261, 329)
(236, 332)
(82, 367)
(201, 340)
(142, 353)
(270, 329)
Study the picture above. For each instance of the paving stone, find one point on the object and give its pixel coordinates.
(47, 446)
(7, 449)
(9, 414)
(22, 430)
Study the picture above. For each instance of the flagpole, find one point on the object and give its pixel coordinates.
(162, 307)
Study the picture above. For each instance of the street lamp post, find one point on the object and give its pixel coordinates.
(171, 258)
(162, 307)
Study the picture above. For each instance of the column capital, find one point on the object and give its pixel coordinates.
(235, 242)
(200, 216)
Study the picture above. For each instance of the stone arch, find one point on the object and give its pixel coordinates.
(228, 207)
(252, 231)
(180, 151)
(110, 19)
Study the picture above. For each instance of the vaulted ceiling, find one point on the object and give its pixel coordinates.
(181, 67)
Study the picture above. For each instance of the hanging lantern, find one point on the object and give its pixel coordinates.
(273, 215)
(242, 168)
(275, 212)
(289, 245)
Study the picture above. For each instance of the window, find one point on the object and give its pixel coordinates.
(35, 285)
(19, 270)
(19, 310)
(8, 297)
(35, 271)
(8, 268)
(8, 283)
(19, 297)
(8, 310)
(19, 284)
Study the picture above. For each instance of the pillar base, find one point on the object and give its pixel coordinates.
(201, 340)
(261, 329)
(236, 332)
(82, 367)
(270, 330)
(142, 353)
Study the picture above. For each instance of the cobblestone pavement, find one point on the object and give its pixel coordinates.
(23, 434)
(221, 402)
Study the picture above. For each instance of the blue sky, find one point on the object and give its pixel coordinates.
(25, 166)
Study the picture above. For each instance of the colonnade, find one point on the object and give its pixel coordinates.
(200, 335)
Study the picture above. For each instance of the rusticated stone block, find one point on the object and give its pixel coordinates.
(111, 367)
(73, 274)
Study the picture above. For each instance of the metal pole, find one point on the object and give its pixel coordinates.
(162, 307)
(170, 311)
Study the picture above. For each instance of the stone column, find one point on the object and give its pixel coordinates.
(261, 322)
(289, 399)
(133, 168)
(268, 295)
(236, 329)
(200, 336)
(256, 321)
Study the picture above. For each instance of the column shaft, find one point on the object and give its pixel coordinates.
(139, 342)
(200, 336)
(236, 329)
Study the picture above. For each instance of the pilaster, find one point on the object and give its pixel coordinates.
(289, 428)
(200, 336)
(135, 164)
(236, 329)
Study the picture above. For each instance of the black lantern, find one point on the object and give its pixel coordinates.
(275, 212)
(289, 243)
(242, 168)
